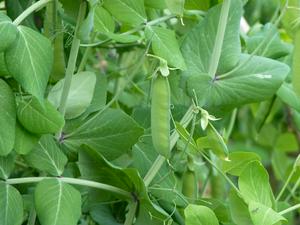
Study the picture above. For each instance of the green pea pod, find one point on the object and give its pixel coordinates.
(160, 116)
(189, 184)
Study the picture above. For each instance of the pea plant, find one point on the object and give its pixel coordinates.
(152, 112)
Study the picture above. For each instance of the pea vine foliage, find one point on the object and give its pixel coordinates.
(80, 142)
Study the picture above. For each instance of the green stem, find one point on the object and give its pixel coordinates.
(292, 193)
(72, 61)
(150, 23)
(131, 213)
(285, 184)
(216, 54)
(231, 125)
(86, 55)
(186, 119)
(290, 209)
(30, 10)
(32, 217)
(75, 181)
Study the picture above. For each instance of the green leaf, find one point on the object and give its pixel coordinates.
(57, 203)
(11, 205)
(239, 210)
(94, 167)
(287, 94)
(213, 141)
(176, 6)
(199, 43)
(7, 118)
(103, 21)
(24, 140)
(165, 45)
(110, 132)
(254, 184)
(7, 164)
(263, 215)
(123, 38)
(274, 48)
(46, 156)
(237, 161)
(199, 215)
(29, 61)
(80, 94)
(127, 11)
(8, 32)
(39, 119)
(257, 80)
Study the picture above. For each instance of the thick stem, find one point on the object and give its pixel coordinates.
(216, 54)
(72, 61)
(30, 10)
(186, 119)
(75, 181)
(131, 213)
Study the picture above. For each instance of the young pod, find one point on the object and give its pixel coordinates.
(160, 116)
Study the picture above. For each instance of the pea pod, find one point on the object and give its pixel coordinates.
(160, 116)
(189, 184)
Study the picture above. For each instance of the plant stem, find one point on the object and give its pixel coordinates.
(289, 209)
(285, 184)
(72, 60)
(86, 55)
(75, 181)
(131, 213)
(296, 185)
(150, 23)
(186, 119)
(30, 10)
(230, 125)
(216, 54)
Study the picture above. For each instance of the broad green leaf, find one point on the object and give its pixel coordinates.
(7, 118)
(110, 132)
(196, 4)
(237, 161)
(263, 215)
(102, 213)
(93, 166)
(127, 11)
(80, 94)
(199, 43)
(6, 165)
(287, 94)
(273, 48)
(11, 205)
(239, 210)
(29, 61)
(254, 184)
(214, 142)
(46, 156)
(290, 20)
(57, 203)
(8, 32)
(257, 80)
(24, 140)
(103, 21)
(199, 215)
(176, 6)
(39, 119)
(165, 45)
